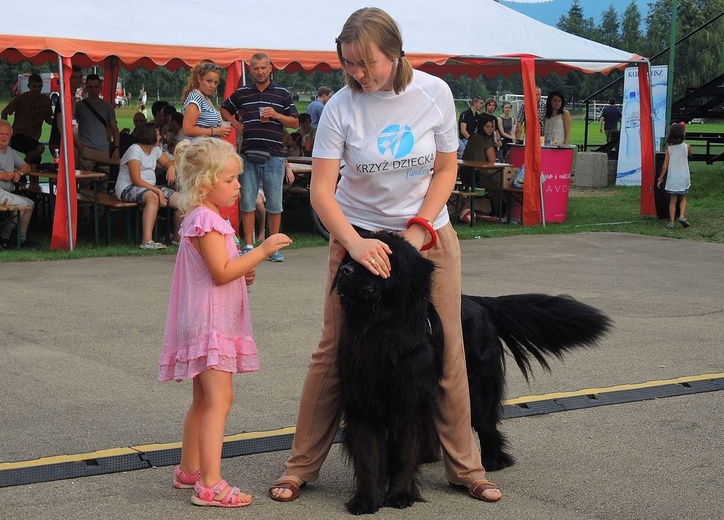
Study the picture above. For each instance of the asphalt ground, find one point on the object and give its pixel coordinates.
(81, 342)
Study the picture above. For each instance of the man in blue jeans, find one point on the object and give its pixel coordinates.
(266, 109)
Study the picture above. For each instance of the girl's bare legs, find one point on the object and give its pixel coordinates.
(190, 462)
(672, 208)
(682, 206)
(217, 398)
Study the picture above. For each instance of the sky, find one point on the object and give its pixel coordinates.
(550, 11)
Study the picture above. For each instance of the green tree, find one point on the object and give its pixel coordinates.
(632, 38)
(575, 22)
(609, 32)
(699, 58)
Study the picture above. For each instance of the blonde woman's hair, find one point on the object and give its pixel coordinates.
(198, 166)
(373, 25)
(197, 73)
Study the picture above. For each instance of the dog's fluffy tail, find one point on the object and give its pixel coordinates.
(541, 325)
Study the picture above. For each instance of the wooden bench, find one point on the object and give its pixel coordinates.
(112, 205)
(14, 217)
(40, 193)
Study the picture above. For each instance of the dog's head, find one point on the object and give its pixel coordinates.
(410, 278)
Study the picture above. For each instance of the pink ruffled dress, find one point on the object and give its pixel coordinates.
(208, 325)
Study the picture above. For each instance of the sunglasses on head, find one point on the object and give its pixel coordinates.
(207, 66)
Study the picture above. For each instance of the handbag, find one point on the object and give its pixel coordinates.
(257, 156)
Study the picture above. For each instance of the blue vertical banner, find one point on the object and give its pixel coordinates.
(628, 172)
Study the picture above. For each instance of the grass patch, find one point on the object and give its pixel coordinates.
(614, 208)
(618, 208)
(589, 210)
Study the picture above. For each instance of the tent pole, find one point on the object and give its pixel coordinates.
(64, 140)
(648, 174)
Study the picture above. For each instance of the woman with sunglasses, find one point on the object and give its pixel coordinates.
(201, 119)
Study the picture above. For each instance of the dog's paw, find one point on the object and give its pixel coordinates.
(362, 505)
(401, 500)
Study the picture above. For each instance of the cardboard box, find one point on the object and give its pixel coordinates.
(509, 174)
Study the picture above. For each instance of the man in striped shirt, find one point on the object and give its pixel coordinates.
(520, 115)
(265, 109)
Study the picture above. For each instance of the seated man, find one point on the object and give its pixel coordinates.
(308, 133)
(12, 167)
(174, 133)
(31, 109)
(157, 114)
(139, 119)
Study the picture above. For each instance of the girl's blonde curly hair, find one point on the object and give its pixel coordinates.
(198, 165)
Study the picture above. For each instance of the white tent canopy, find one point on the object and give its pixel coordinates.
(473, 37)
(290, 32)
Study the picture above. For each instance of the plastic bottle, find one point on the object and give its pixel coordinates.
(632, 122)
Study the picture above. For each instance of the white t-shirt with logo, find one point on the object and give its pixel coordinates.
(388, 142)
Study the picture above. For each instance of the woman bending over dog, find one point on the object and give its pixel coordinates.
(398, 178)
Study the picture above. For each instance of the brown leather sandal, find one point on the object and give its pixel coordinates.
(477, 489)
(286, 484)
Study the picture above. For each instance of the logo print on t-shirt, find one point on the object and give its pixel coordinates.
(396, 141)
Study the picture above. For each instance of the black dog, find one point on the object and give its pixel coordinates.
(532, 326)
(390, 362)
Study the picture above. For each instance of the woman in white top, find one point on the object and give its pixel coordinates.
(557, 120)
(137, 183)
(395, 129)
(201, 119)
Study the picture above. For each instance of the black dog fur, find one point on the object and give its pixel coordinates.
(390, 363)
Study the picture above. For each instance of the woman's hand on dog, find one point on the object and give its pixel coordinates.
(373, 254)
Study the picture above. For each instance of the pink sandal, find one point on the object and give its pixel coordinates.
(205, 495)
(183, 480)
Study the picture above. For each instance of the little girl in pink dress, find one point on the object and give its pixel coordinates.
(208, 334)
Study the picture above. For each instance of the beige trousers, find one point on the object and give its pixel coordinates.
(319, 408)
(88, 160)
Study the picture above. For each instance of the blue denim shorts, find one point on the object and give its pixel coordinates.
(271, 175)
(135, 193)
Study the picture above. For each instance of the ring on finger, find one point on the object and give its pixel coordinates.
(373, 261)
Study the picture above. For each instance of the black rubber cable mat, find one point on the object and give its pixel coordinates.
(159, 455)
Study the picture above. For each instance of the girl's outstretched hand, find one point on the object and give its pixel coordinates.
(274, 243)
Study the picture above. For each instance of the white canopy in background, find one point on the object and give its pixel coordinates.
(473, 37)
(169, 32)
